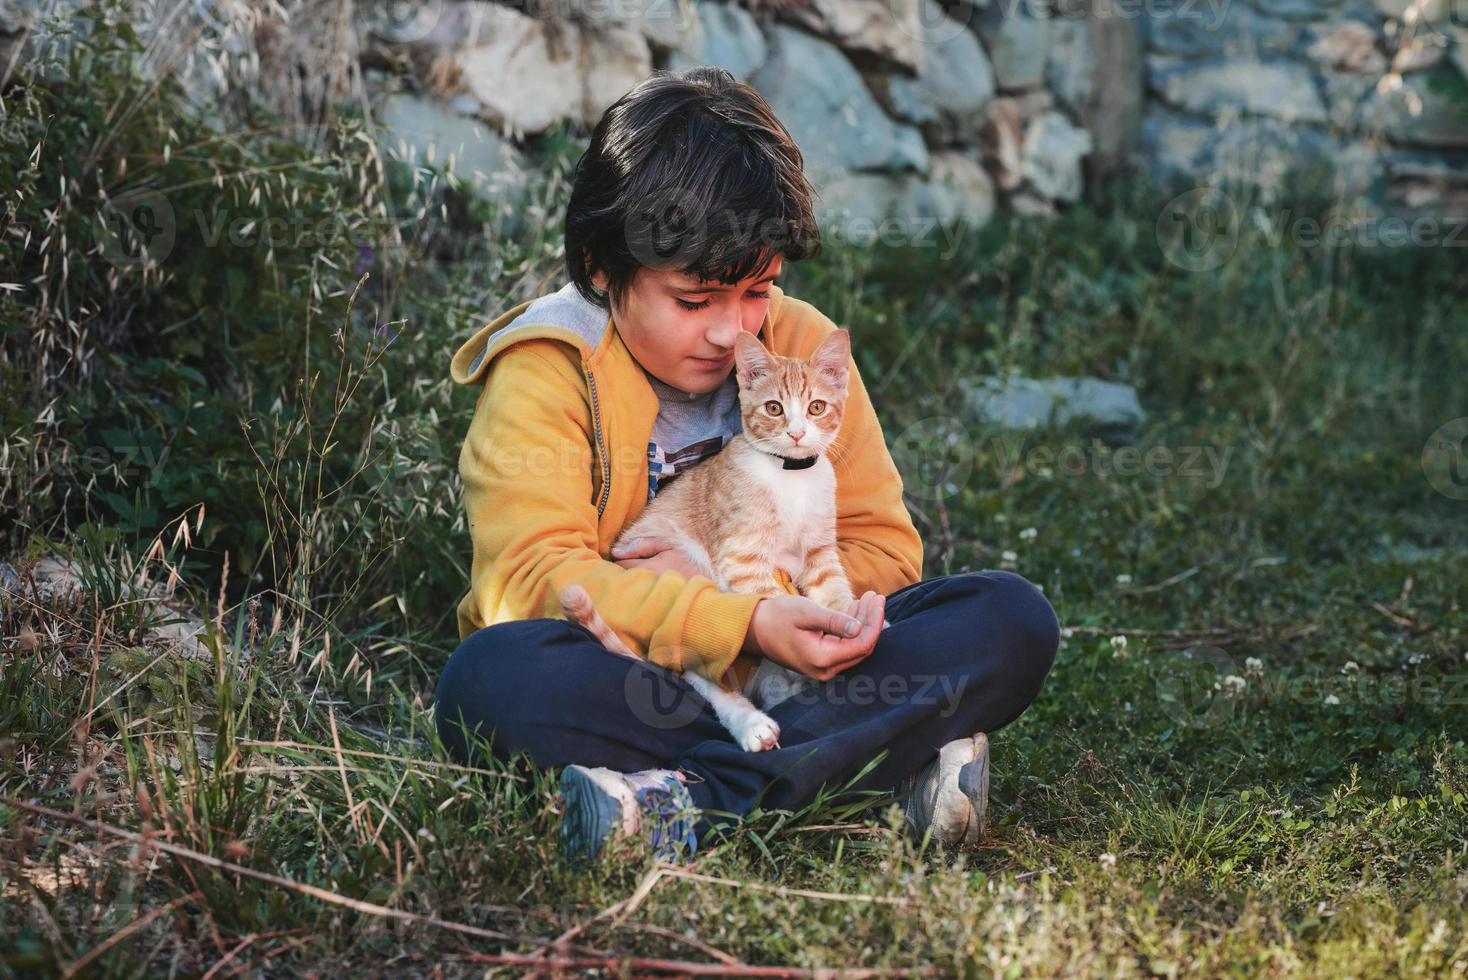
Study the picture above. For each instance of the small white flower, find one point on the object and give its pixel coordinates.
(1028, 534)
(1253, 665)
(1416, 659)
(1123, 579)
(1127, 707)
(1351, 667)
(1108, 861)
(1332, 699)
(1067, 632)
(1118, 647)
(1234, 686)
(1009, 556)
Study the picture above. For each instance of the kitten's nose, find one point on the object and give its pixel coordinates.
(796, 435)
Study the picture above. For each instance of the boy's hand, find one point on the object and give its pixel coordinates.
(654, 554)
(810, 639)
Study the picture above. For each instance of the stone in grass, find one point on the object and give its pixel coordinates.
(1106, 409)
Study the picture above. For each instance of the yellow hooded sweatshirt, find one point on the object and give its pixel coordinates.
(555, 466)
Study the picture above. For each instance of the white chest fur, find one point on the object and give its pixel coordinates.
(804, 500)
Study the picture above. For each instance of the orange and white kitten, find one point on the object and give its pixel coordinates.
(767, 500)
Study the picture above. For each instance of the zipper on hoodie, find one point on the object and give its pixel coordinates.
(606, 469)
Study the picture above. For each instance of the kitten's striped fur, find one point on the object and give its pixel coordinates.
(739, 515)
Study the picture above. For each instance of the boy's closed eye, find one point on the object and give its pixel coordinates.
(752, 294)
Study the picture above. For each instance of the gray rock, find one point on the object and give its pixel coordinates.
(529, 77)
(1278, 89)
(949, 98)
(906, 209)
(1256, 153)
(1299, 9)
(1175, 146)
(1018, 43)
(1414, 115)
(1423, 182)
(890, 31)
(1052, 155)
(1104, 408)
(664, 22)
(1348, 46)
(17, 15)
(423, 131)
(1418, 115)
(830, 112)
(1201, 31)
(724, 35)
(1070, 68)
(1427, 11)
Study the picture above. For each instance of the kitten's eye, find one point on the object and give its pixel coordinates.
(817, 407)
(774, 408)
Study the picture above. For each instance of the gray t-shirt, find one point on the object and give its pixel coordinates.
(689, 427)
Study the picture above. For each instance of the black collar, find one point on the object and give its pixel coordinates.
(795, 464)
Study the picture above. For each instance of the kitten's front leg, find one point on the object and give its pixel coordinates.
(823, 580)
(754, 730)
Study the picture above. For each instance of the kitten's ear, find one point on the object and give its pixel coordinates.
(831, 359)
(751, 360)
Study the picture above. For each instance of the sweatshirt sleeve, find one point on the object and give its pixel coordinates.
(526, 466)
(879, 546)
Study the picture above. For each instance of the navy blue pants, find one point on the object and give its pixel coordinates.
(963, 654)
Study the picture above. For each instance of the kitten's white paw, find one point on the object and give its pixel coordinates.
(757, 732)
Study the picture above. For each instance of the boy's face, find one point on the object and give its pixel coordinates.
(682, 330)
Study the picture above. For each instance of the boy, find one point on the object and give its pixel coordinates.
(687, 202)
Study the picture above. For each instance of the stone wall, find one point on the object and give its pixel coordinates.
(915, 111)
(1242, 92)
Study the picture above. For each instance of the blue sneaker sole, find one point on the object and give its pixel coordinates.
(589, 816)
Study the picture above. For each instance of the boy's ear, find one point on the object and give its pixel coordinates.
(751, 360)
(832, 358)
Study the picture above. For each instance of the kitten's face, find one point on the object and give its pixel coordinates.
(790, 406)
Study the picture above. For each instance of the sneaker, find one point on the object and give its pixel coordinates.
(599, 804)
(950, 795)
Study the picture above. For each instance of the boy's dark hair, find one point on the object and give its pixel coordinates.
(692, 172)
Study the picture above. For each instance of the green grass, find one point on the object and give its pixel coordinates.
(1306, 816)
(1311, 820)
